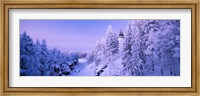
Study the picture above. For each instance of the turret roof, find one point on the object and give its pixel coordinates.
(121, 35)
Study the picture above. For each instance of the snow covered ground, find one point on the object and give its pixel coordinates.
(83, 68)
(86, 69)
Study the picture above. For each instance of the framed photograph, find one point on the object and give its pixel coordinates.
(100, 47)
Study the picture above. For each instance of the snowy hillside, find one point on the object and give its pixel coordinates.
(146, 48)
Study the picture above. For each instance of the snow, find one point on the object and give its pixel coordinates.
(149, 48)
(79, 67)
(84, 68)
(114, 69)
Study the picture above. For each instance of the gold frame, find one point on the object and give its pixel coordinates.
(6, 5)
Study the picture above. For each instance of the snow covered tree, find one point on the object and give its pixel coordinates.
(26, 55)
(111, 44)
(44, 66)
(105, 51)
(149, 30)
(154, 44)
(99, 53)
(168, 47)
(127, 54)
(59, 63)
(37, 56)
(54, 62)
(130, 59)
(150, 65)
(37, 60)
(160, 35)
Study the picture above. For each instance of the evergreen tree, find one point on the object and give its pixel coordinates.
(99, 53)
(37, 56)
(111, 44)
(44, 66)
(169, 46)
(26, 55)
(127, 52)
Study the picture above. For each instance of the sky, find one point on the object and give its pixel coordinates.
(73, 35)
